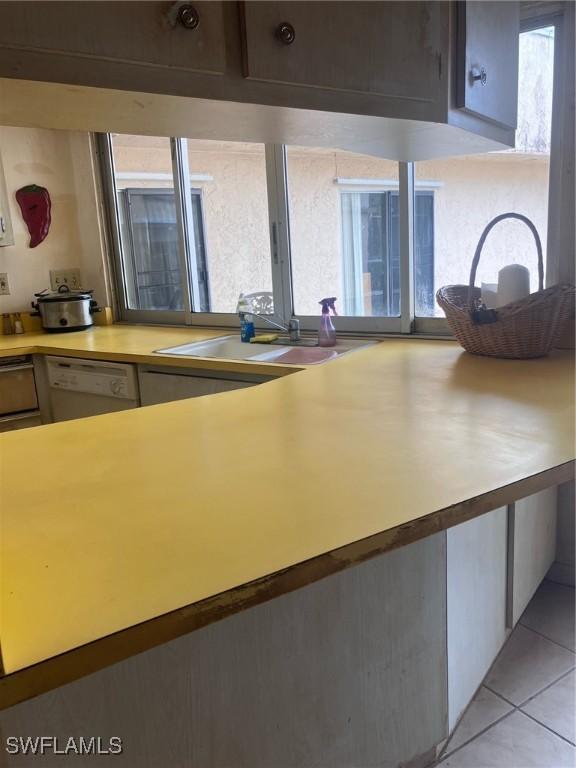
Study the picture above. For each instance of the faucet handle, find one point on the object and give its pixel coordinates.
(294, 329)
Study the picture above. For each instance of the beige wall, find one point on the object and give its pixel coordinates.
(61, 162)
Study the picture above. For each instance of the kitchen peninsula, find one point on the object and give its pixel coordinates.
(136, 528)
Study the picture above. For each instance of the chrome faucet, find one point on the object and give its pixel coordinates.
(293, 327)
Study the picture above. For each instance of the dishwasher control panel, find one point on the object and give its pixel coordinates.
(93, 377)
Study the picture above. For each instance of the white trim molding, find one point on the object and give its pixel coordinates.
(150, 176)
(385, 183)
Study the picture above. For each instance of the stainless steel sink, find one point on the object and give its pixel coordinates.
(231, 348)
(227, 347)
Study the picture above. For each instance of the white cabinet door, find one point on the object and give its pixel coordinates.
(476, 604)
(534, 546)
(160, 387)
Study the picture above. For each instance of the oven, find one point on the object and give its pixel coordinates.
(18, 398)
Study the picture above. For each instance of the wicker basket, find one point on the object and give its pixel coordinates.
(525, 328)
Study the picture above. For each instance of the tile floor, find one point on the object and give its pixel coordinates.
(523, 716)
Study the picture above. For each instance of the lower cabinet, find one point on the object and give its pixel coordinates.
(476, 573)
(494, 565)
(532, 546)
(163, 384)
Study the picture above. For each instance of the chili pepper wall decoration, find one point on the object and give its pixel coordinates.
(34, 202)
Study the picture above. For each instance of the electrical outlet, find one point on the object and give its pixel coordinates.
(4, 284)
(68, 277)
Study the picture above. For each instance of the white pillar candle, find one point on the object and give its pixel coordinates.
(513, 284)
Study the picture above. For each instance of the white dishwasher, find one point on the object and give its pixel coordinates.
(81, 388)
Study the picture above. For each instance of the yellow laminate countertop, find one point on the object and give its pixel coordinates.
(114, 520)
(131, 343)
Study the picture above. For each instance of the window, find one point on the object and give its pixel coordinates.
(196, 223)
(344, 235)
(192, 228)
(371, 256)
(235, 200)
(472, 190)
(150, 245)
(371, 263)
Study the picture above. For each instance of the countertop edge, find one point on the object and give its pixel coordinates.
(257, 368)
(72, 665)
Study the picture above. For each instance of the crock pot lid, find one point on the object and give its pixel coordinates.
(70, 296)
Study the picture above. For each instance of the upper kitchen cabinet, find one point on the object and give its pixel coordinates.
(377, 78)
(394, 50)
(180, 36)
(487, 60)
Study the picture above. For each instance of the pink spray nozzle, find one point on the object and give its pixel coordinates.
(327, 305)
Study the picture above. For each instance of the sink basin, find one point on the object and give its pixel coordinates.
(231, 348)
(228, 347)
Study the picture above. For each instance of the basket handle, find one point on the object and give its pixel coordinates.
(480, 245)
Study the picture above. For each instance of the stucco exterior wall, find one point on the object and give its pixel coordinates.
(235, 205)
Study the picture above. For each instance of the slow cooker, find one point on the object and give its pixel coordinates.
(65, 310)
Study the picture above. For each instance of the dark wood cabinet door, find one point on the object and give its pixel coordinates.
(390, 49)
(487, 59)
(147, 33)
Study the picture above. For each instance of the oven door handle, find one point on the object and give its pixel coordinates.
(12, 368)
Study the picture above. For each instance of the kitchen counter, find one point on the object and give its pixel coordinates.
(129, 343)
(122, 531)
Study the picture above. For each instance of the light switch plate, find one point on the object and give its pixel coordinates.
(4, 284)
(69, 277)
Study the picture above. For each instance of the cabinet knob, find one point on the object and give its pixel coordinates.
(188, 16)
(478, 75)
(286, 33)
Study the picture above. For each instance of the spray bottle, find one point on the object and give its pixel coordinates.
(327, 332)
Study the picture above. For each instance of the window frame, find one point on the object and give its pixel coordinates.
(279, 235)
(119, 271)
